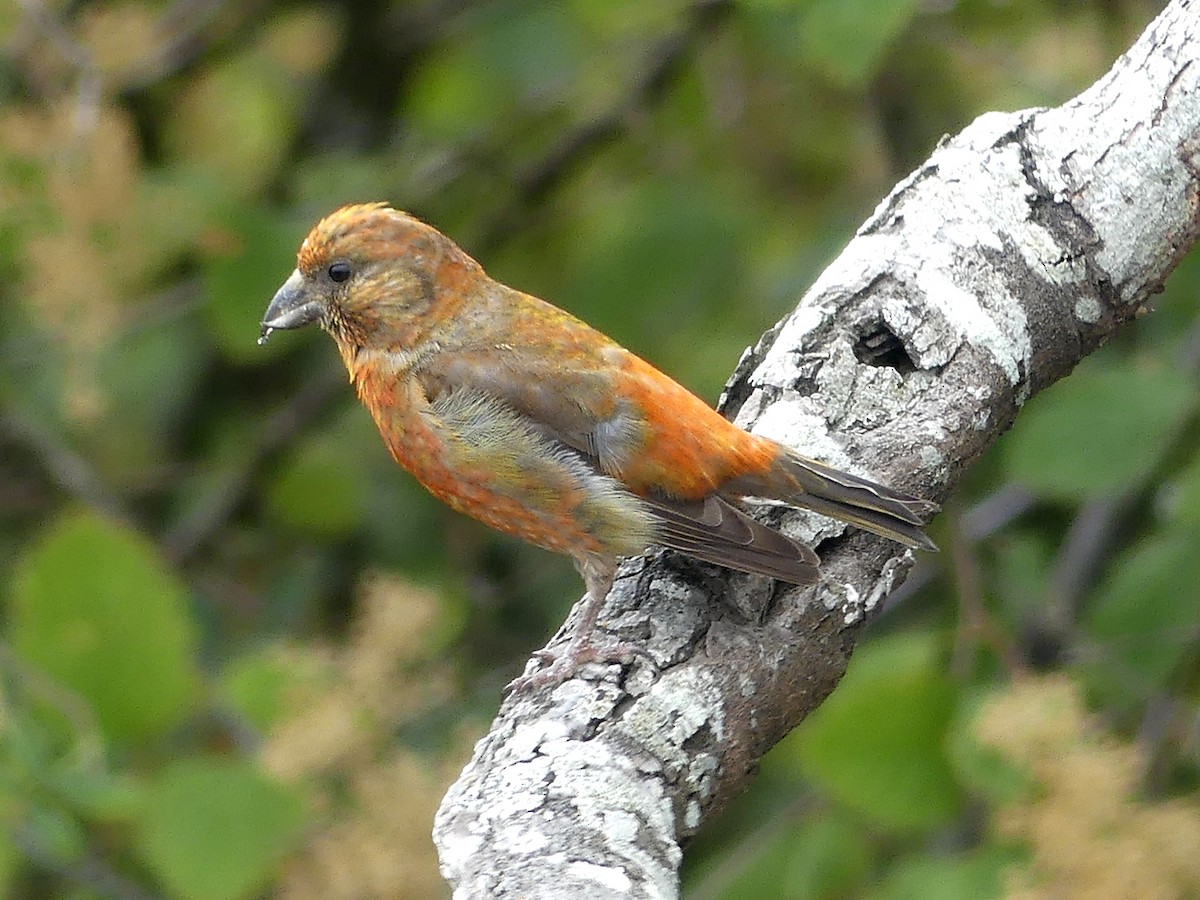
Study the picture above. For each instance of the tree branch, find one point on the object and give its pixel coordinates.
(1016, 249)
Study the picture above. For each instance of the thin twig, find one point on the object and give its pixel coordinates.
(540, 178)
(975, 625)
(748, 849)
(985, 519)
(1097, 525)
(192, 532)
(67, 469)
(1088, 541)
(89, 86)
(185, 22)
(90, 872)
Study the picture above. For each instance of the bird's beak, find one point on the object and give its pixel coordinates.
(291, 307)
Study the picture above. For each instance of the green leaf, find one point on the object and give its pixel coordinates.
(96, 607)
(10, 864)
(878, 743)
(95, 793)
(153, 373)
(176, 206)
(848, 39)
(54, 832)
(538, 49)
(1099, 432)
(451, 96)
(1144, 617)
(257, 685)
(513, 65)
(657, 257)
(217, 829)
(28, 748)
(1186, 502)
(826, 855)
(798, 851)
(233, 122)
(324, 487)
(978, 875)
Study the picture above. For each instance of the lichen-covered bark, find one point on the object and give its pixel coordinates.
(1018, 247)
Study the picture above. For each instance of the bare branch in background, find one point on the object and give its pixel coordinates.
(279, 429)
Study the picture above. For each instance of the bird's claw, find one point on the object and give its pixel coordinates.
(562, 665)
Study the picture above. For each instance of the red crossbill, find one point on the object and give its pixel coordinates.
(512, 411)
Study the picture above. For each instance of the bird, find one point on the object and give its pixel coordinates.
(519, 414)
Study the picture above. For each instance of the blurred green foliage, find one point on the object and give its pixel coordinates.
(242, 654)
(133, 636)
(217, 829)
(878, 744)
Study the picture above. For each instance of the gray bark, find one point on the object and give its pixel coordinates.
(1017, 248)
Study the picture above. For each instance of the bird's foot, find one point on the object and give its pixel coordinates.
(562, 664)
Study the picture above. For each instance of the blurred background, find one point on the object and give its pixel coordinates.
(242, 655)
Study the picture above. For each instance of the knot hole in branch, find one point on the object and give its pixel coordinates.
(877, 345)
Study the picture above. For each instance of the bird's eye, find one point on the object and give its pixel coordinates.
(339, 272)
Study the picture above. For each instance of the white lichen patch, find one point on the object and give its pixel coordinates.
(528, 840)
(1002, 332)
(680, 704)
(858, 396)
(864, 259)
(930, 344)
(1145, 157)
(834, 601)
(609, 878)
(789, 420)
(604, 786)
(459, 843)
(887, 579)
(779, 365)
(852, 610)
(1087, 310)
(980, 392)
(524, 788)
(577, 705)
(933, 431)
(845, 597)
(526, 741)
(832, 596)
(851, 594)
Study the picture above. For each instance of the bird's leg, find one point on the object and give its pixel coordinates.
(581, 648)
(598, 578)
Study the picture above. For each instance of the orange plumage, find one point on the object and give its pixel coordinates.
(512, 411)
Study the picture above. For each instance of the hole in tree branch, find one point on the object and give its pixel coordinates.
(877, 345)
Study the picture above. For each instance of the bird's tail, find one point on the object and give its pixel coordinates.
(799, 481)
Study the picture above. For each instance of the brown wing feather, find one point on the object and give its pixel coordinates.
(717, 532)
(799, 481)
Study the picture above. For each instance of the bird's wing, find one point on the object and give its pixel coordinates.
(481, 457)
(716, 531)
(570, 400)
(566, 408)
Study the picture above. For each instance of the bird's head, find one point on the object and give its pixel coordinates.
(372, 277)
